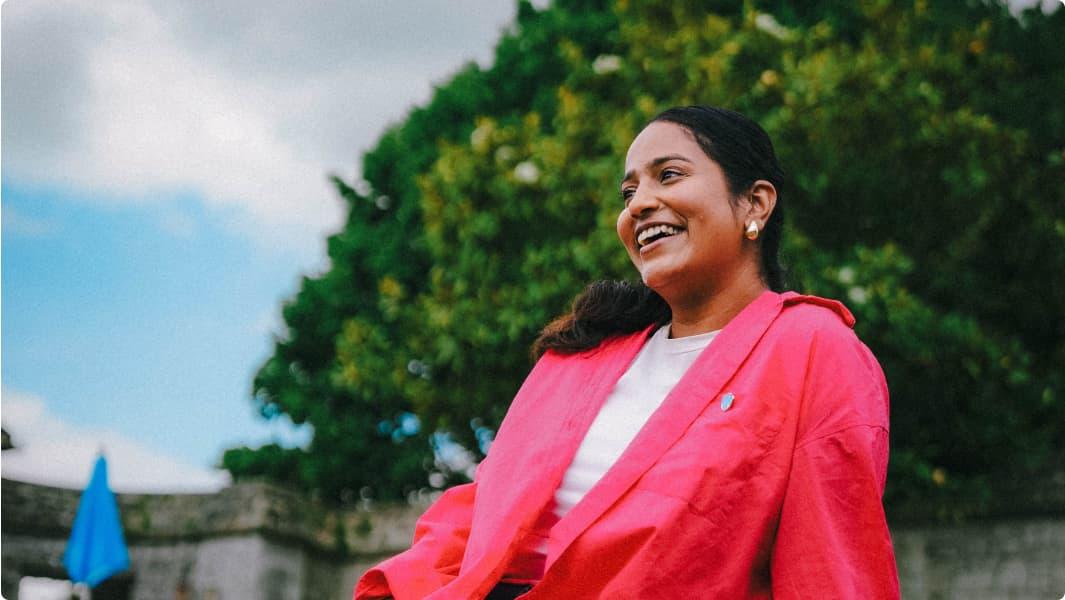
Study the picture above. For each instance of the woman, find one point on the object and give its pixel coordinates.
(640, 460)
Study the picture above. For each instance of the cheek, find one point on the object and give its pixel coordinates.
(624, 228)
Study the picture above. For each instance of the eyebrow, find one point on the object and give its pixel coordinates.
(655, 162)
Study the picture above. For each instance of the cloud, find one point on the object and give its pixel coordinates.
(248, 104)
(49, 451)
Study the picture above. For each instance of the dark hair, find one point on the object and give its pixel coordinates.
(608, 308)
(605, 308)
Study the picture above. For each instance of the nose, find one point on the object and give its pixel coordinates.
(644, 201)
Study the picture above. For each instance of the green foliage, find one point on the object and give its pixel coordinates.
(270, 461)
(925, 147)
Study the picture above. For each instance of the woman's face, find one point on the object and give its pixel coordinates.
(679, 227)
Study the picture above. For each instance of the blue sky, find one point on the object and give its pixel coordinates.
(164, 187)
(133, 317)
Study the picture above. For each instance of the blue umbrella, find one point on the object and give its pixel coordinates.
(97, 548)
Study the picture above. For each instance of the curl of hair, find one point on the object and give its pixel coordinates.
(608, 308)
(605, 308)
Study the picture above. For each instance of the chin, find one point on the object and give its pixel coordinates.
(656, 279)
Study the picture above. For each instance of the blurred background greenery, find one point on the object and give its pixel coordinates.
(925, 144)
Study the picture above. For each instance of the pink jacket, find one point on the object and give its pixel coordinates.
(775, 493)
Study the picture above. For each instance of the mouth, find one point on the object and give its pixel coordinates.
(647, 235)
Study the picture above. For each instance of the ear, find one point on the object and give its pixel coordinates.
(762, 198)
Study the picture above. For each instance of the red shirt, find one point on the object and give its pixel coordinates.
(775, 492)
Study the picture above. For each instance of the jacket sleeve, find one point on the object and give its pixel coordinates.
(832, 539)
(434, 558)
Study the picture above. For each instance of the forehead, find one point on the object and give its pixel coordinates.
(662, 138)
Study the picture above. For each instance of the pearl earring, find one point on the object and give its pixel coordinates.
(752, 230)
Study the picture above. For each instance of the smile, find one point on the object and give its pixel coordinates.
(654, 233)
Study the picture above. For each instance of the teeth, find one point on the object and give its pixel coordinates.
(650, 232)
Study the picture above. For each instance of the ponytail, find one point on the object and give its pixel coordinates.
(605, 308)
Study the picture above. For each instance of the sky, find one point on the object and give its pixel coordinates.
(164, 187)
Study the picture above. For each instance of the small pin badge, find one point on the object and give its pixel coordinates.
(726, 400)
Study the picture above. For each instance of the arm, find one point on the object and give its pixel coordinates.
(442, 533)
(433, 559)
(833, 541)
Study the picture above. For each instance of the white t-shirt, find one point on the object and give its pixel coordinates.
(656, 370)
(638, 393)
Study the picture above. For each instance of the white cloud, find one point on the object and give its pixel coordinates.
(250, 104)
(49, 451)
(158, 119)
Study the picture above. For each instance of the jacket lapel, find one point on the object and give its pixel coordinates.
(508, 505)
(697, 388)
(577, 401)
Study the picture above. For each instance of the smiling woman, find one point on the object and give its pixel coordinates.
(699, 434)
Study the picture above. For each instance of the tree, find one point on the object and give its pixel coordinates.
(913, 142)
(342, 365)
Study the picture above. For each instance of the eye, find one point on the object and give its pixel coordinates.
(668, 174)
(627, 194)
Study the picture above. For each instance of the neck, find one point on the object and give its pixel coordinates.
(711, 310)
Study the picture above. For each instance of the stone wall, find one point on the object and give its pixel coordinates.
(251, 540)
(1009, 559)
(255, 540)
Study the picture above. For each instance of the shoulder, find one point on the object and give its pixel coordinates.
(578, 369)
(823, 327)
(843, 382)
(806, 314)
(548, 392)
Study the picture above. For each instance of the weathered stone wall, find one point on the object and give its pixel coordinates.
(263, 542)
(1009, 559)
(251, 540)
